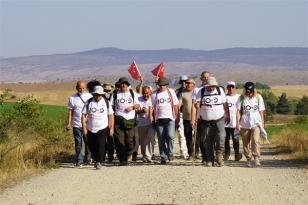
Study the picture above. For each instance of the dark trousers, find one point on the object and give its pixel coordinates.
(198, 139)
(236, 143)
(97, 143)
(124, 142)
(188, 131)
(110, 147)
(212, 138)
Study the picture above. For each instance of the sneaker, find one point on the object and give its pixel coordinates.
(149, 160)
(170, 158)
(79, 165)
(97, 165)
(257, 162)
(88, 162)
(238, 157)
(249, 163)
(227, 157)
(144, 159)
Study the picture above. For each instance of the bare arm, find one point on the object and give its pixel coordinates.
(238, 116)
(150, 114)
(69, 119)
(262, 117)
(83, 123)
(111, 124)
(193, 114)
(227, 113)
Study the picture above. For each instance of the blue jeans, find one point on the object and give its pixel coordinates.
(165, 132)
(78, 137)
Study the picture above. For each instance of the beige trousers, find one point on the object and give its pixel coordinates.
(251, 143)
(146, 140)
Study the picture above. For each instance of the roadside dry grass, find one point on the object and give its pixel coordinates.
(293, 138)
(292, 91)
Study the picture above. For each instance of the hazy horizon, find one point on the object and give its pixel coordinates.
(61, 27)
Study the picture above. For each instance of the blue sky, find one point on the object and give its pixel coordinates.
(48, 27)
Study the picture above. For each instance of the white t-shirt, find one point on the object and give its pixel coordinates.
(143, 118)
(125, 100)
(76, 104)
(251, 116)
(212, 104)
(231, 100)
(162, 104)
(97, 114)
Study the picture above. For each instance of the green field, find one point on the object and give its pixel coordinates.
(52, 112)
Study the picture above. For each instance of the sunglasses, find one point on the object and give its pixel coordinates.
(230, 86)
(188, 82)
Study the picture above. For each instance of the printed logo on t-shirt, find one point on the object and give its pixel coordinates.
(96, 110)
(231, 105)
(163, 100)
(123, 100)
(250, 108)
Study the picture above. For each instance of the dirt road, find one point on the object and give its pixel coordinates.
(181, 182)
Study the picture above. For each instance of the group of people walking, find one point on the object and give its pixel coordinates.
(118, 121)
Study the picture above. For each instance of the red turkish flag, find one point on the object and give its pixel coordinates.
(134, 71)
(159, 71)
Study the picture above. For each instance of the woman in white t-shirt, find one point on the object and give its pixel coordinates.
(97, 124)
(249, 118)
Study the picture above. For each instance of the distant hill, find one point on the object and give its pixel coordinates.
(113, 61)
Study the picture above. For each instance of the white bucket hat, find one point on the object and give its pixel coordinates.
(98, 90)
(211, 82)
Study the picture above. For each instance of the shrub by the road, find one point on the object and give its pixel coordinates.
(28, 140)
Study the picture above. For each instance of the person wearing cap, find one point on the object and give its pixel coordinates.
(146, 130)
(166, 106)
(186, 103)
(214, 113)
(195, 113)
(75, 105)
(232, 98)
(180, 128)
(125, 102)
(250, 114)
(97, 124)
(108, 89)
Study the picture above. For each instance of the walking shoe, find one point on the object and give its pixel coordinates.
(163, 161)
(88, 162)
(144, 159)
(134, 158)
(79, 165)
(209, 164)
(257, 162)
(220, 159)
(227, 156)
(238, 157)
(249, 163)
(110, 159)
(153, 157)
(148, 160)
(170, 158)
(97, 165)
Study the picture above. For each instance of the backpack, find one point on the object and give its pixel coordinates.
(202, 95)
